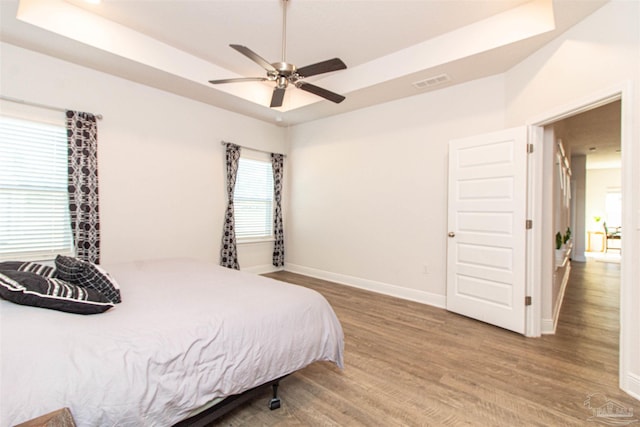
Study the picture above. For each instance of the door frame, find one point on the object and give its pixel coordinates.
(536, 250)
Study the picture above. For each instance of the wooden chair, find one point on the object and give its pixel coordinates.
(612, 234)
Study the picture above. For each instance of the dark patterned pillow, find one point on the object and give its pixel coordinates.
(33, 267)
(27, 288)
(88, 275)
(69, 268)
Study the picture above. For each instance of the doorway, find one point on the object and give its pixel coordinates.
(584, 210)
(540, 246)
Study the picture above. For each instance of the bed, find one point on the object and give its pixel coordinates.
(187, 333)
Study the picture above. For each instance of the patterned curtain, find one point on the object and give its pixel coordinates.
(228, 251)
(278, 229)
(82, 140)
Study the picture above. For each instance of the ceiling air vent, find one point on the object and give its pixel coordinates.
(432, 81)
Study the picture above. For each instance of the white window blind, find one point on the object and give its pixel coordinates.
(34, 211)
(253, 200)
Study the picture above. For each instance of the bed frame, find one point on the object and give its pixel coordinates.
(219, 409)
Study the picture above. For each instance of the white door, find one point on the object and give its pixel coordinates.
(487, 228)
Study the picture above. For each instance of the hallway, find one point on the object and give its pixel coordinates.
(588, 328)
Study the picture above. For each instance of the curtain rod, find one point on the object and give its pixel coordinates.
(35, 104)
(249, 148)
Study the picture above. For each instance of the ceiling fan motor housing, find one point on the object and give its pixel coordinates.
(285, 73)
(284, 68)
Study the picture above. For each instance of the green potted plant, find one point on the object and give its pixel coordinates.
(567, 236)
(558, 240)
(598, 224)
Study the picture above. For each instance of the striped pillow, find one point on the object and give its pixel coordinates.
(28, 288)
(33, 267)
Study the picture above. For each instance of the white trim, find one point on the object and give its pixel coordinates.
(633, 382)
(533, 316)
(549, 326)
(624, 92)
(589, 102)
(628, 256)
(415, 295)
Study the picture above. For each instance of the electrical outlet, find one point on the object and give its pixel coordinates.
(425, 269)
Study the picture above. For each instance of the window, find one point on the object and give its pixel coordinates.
(613, 207)
(253, 200)
(34, 211)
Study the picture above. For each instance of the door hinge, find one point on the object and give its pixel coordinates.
(529, 148)
(529, 224)
(527, 300)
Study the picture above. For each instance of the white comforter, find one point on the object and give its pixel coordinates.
(186, 332)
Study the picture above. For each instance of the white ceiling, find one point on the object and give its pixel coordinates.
(596, 134)
(178, 46)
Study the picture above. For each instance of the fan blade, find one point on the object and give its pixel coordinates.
(316, 90)
(322, 67)
(254, 57)
(239, 80)
(277, 98)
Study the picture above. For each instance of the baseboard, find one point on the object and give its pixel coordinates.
(549, 325)
(371, 285)
(632, 385)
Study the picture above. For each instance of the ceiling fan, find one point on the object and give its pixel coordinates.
(284, 73)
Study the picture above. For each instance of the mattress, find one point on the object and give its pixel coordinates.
(186, 332)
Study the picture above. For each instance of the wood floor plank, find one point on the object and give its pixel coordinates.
(408, 364)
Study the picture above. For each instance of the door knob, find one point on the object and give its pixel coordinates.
(452, 234)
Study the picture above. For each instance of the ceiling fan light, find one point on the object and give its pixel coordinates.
(282, 82)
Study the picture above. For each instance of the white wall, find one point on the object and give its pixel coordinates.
(578, 200)
(556, 218)
(597, 53)
(161, 164)
(368, 189)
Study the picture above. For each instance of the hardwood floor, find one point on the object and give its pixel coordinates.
(411, 364)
